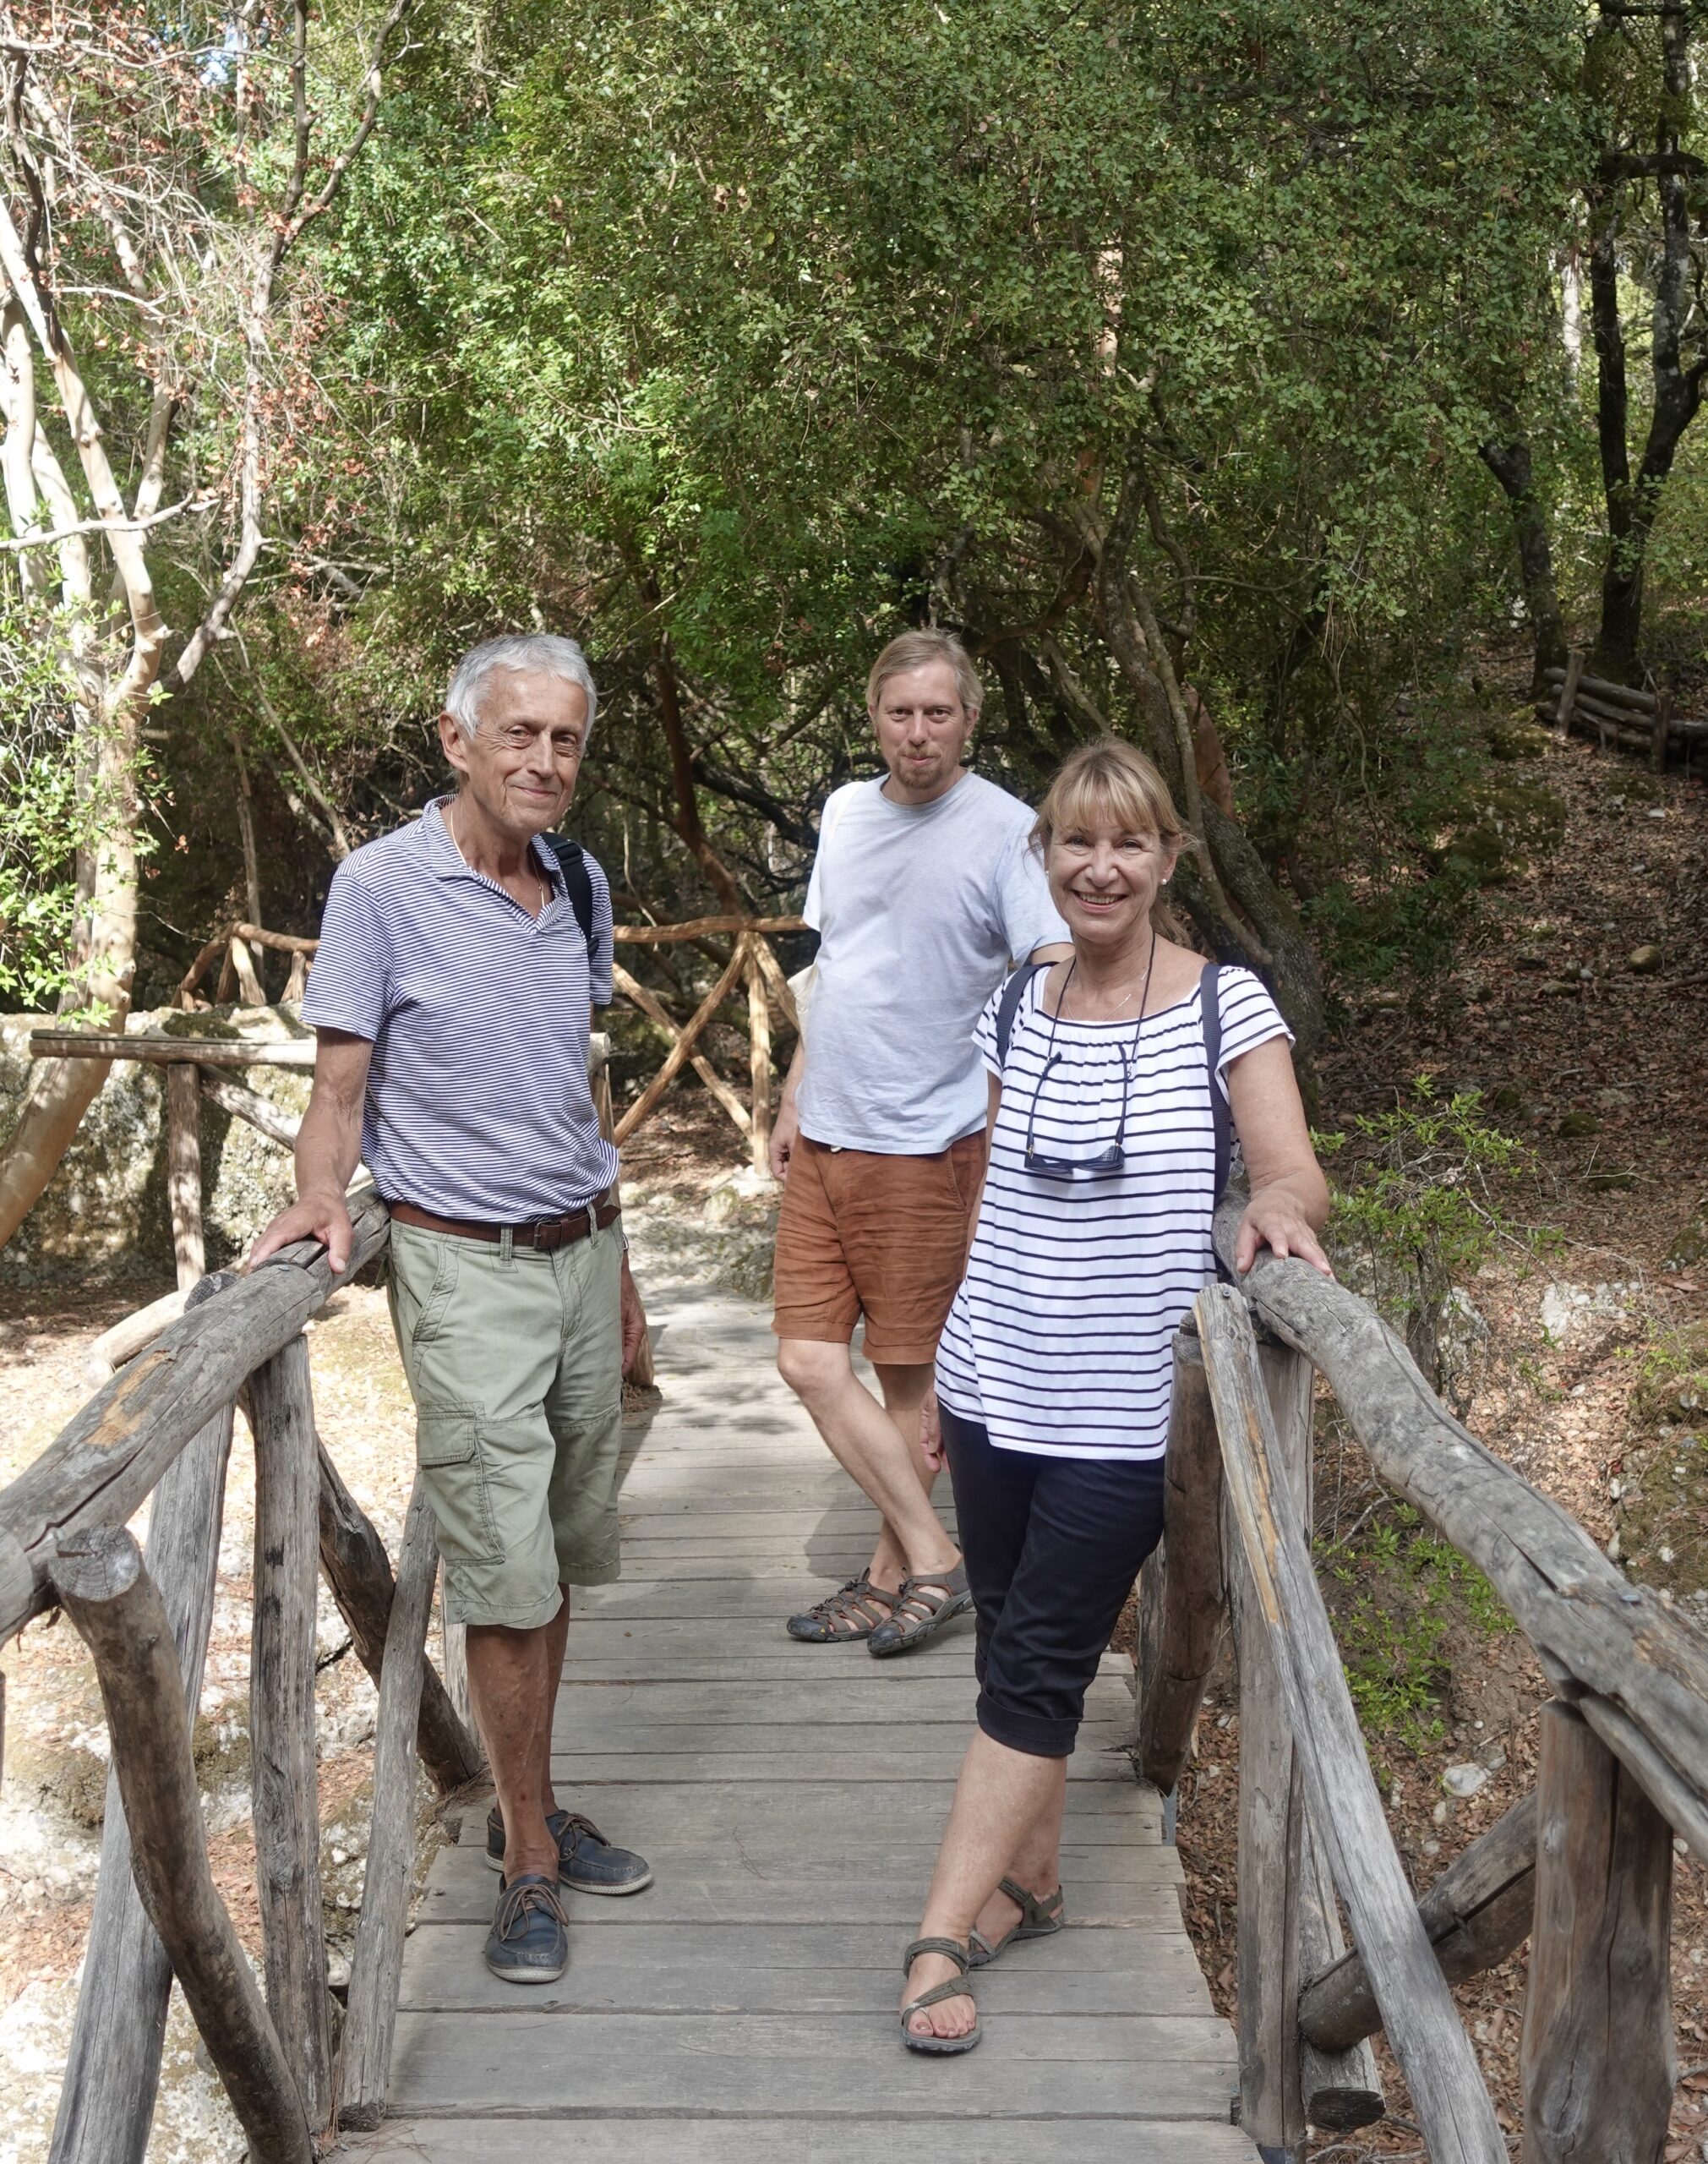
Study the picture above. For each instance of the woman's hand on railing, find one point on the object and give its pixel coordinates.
(931, 1430)
(1275, 1219)
(320, 1217)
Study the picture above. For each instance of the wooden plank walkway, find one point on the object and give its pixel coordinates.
(790, 1798)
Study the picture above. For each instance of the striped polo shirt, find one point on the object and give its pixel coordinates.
(477, 1102)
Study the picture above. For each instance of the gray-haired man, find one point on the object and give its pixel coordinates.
(452, 996)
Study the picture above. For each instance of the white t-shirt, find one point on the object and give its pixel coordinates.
(921, 909)
(1061, 1339)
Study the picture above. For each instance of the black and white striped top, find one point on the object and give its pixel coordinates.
(1060, 1340)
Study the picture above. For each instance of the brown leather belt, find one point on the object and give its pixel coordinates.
(546, 1233)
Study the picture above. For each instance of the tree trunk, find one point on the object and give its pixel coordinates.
(1508, 457)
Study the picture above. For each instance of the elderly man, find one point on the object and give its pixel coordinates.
(923, 889)
(451, 996)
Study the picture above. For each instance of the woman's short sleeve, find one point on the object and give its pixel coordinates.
(984, 1032)
(1250, 1017)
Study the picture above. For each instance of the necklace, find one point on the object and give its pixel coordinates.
(1143, 990)
(450, 828)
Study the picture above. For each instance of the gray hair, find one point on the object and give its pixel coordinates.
(541, 651)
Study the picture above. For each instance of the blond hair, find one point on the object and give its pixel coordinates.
(1111, 783)
(918, 650)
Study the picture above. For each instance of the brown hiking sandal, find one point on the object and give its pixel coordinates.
(935, 1597)
(1037, 1920)
(852, 1612)
(954, 1987)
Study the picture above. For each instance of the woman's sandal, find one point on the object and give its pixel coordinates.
(951, 1988)
(849, 1605)
(901, 1632)
(1038, 1919)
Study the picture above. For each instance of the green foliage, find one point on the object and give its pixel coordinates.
(1424, 1183)
(44, 818)
(1405, 1595)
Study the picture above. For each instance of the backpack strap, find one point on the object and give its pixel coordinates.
(572, 862)
(1013, 994)
(1221, 1114)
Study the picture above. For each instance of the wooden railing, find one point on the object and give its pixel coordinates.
(1583, 1867)
(161, 1428)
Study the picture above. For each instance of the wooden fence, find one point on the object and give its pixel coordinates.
(1615, 713)
(1582, 1867)
(751, 969)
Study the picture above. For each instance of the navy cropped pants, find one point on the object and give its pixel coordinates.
(1053, 1545)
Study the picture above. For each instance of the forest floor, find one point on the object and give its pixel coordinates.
(1580, 1355)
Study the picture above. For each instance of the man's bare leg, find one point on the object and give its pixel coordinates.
(557, 1641)
(512, 1683)
(903, 1392)
(871, 1447)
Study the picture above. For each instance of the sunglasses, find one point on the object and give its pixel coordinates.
(1110, 1158)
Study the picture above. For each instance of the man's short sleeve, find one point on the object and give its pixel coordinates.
(828, 821)
(348, 983)
(1027, 914)
(601, 946)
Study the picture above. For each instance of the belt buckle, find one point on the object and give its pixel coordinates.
(547, 1234)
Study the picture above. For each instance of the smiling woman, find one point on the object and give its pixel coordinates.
(1108, 1076)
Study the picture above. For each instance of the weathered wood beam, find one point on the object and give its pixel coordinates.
(364, 2059)
(359, 1570)
(99, 1580)
(183, 1173)
(1272, 1810)
(677, 1055)
(107, 2096)
(1475, 1915)
(1423, 2024)
(631, 989)
(247, 1105)
(759, 1056)
(104, 1462)
(1600, 687)
(1342, 2088)
(1193, 1604)
(776, 983)
(160, 1051)
(701, 927)
(283, 1782)
(1636, 1669)
(1596, 2056)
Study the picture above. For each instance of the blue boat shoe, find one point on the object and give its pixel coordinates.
(588, 1863)
(529, 1942)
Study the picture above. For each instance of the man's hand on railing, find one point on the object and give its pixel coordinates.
(634, 1318)
(321, 1217)
(931, 1430)
(1275, 1219)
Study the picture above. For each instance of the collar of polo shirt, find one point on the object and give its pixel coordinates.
(449, 862)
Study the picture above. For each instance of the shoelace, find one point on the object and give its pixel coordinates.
(518, 1903)
(587, 1826)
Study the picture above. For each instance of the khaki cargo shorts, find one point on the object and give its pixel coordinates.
(515, 1359)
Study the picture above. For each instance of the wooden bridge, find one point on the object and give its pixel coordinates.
(742, 2009)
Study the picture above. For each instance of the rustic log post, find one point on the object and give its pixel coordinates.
(359, 1570)
(1342, 2089)
(249, 980)
(99, 1578)
(679, 1054)
(283, 1784)
(364, 2059)
(1597, 2057)
(106, 2097)
(759, 1046)
(184, 1172)
(775, 982)
(1423, 2024)
(1569, 692)
(1271, 1818)
(1192, 1583)
(453, 1645)
(246, 1104)
(296, 983)
(1476, 1913)
(638, 995)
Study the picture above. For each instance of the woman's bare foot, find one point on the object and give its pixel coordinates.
(947, 2017)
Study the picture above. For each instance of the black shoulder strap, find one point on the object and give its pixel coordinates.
(572, 862)
(1013, 994)
(1221, 1115)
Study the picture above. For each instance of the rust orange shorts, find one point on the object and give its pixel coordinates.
(884, 1238)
